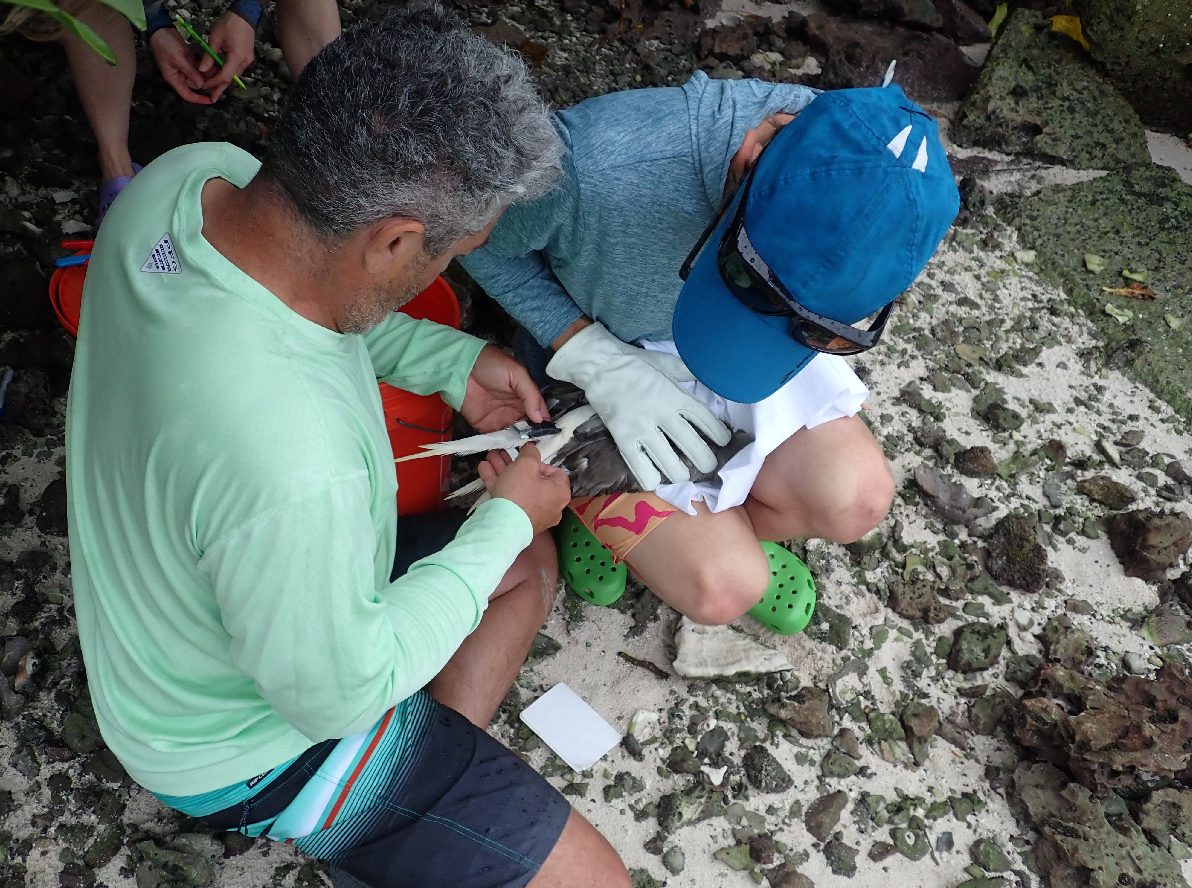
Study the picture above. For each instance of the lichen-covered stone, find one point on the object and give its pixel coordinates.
(829, 626)
(842, 858)
(809, 712)
(1146, 49)
(1109, 734)
(1067, 644)
(786, 876)
(976, 646)
(1079, 845)
(911, 843)
(691, 805)
(988, 855)
(1015, 555)
(1039, 95)
(1148, 542)
(1135, 218)
(824, 813)
(918, 599)
(1166, 814)
(836, 765)
(764, 772)
(1104, 490)
(950, 499)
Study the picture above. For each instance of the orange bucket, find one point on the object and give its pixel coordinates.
(66, 288)
(412, 419)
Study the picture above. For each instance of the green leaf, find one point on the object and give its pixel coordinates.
(72, 24)
(999, 16)
(133, 10)
(1174, 321)
(1121, 315)
(1094, 263)
(1139, 276)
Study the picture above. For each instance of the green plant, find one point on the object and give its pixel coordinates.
(130, 9)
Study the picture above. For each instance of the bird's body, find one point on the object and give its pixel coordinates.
(584, 447)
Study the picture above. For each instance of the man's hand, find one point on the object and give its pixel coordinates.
(541, 490)
(500, 392)
(233, 39)
(177, 65)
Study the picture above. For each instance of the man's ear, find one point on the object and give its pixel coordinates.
(392, 243)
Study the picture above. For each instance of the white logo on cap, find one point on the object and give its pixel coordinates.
(920, 163)
(899, 142)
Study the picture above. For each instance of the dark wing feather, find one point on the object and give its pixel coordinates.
(592, 459)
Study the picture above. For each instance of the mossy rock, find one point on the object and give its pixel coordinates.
(1134, 219)
(1041, 95)
(1146, 49)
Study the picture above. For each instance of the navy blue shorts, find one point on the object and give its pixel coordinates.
(440, 803)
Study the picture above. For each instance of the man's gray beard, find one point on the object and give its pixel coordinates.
(373, 306)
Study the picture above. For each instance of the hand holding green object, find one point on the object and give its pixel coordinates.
(185, 25)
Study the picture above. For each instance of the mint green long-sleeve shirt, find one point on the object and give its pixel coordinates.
(232, 503)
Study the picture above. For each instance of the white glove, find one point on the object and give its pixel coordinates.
(636, 394)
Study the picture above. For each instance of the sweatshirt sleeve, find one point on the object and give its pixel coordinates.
(513, 267)
(721, 111)
(423, 357)
(324, 645)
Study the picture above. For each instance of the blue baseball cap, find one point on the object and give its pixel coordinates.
(848, 203)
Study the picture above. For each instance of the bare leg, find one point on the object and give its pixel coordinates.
(831, 482)
(582, 858)
(303, 28)
(476, 679)
(708, 566)
(104, 91)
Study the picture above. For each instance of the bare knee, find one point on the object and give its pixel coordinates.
(727, 584)
(864, 500)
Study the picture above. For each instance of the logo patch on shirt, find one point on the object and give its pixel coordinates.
(163, 259)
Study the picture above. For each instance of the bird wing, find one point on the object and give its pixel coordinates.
(464, 446)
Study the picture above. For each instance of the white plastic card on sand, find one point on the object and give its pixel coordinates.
(569, 726)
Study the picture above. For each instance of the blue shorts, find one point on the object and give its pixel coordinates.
(424, 798)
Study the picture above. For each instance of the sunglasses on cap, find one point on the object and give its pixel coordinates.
(758, 288)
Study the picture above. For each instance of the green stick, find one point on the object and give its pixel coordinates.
(203, 43)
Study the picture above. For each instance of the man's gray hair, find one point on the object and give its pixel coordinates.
(412, 115)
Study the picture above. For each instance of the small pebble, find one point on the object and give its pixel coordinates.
(1023, 619)
(1135, 663)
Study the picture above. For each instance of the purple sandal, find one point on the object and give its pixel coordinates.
(110, 190)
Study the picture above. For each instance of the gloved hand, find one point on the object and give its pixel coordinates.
(637, 395)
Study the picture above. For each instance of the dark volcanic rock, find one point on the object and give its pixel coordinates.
(25, 305)
(1104, 490)
(1038, 94)
(975, 462)
(919, 12)
(962, 23)
(786, 876)
(842, 858)
(1147, 542)
(976, 646)
(1146, 49)
(1109, 734)
(809, 712)
(930, 66)
(51, 509)
(950, 498)
(10, 504)
(1015, 555)
(824, 813)
(1081, 839)
(764, 772)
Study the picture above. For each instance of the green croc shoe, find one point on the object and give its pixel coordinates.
(790, 598)
(587, 564)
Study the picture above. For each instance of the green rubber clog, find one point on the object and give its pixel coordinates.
(587, 564)
(789, 601)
